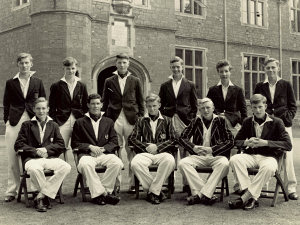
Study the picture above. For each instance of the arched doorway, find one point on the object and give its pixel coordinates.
(104, 69)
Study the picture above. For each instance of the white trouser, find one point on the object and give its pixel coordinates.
(66, 131)
(219, 164)
(267, 168)
(140, 164)
(289, 163)
(49, 187)
(86, 167)
(124, 129)
(11, 135)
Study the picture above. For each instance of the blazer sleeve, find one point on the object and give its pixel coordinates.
(193, 100)
(6, 102)
(185, 138)
(242, 104)
(168, 144)
(58, 145)
(140, 98)
(112, 143)
(52, 101)
(135, 137)
(242, 134)
(291, 103)
(42, 90)
(161, 94)
(76, 140)
(84, 99)
(105, 96)
(22, 142)
(283, 143)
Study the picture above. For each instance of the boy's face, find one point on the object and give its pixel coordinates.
(259, 109)
(122, 65)
(24, 65)
(206, 109)
(70, 70)
(224, 73)
(272, 70)
(176, 68)
(41, 110)
(95, 106)
(153, 107)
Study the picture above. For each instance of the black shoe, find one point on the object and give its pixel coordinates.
(9, 198)
(131, 190)
(239, 192)
(192, 200)
(208, 201)
(39, 205)
(162, 197)
(251, 204)
(186, 189)
(293, 196)
(236, 204)
(112, 199)
(153, 198)
(99, 200)
(47, 202)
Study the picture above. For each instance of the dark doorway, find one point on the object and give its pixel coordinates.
(108, 72)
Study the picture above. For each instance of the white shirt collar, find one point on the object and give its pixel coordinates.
(159, 117)
(267, 79)
(214, 116)
(172, 78)
(47, 119)
(64, 79)
(230, 83)
(116, 73)
(268, 119)
(17, 76)
(88, 115)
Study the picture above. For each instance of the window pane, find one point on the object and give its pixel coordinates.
(177, 6)
(295, 85)
(198, 82)
(297, 3)
(197, 7)
(17, 2)
(246, 62)
(25, 1)
(188, 57)
(254, 80)
(187, 6)
(189, 74)
(252, 12)
(294, 67)
(261, 64)
(262, 77)
(298, 20)
(297, 91)
(179, 53)
(247, 85)
(293, 23)
(298, 69)
(245, 11)
(254, 63)
(259, 14)
(198, 58)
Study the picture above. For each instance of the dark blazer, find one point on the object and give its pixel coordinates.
(83, 135)
(61, 105)
(29, 139)
(185, 105)
(142, 135)
(131, 101)
(273, 131)
(284, 105)
(14, 102)
(234, 106)
(221, 140)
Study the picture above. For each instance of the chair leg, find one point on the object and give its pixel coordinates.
(137, 187)
(61, 197)
(24, 184)
(170, 185)
(226, 186)
(82, 189)
(283, 187)
(76, 186)
(20, 191)
(222, 190)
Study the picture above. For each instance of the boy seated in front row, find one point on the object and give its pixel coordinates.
(264, 140)
(153, 138)
(96, 140)
(42, 144)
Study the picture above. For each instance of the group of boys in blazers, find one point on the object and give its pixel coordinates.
(171, 119)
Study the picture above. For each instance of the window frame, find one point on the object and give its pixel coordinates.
(297, 93)
(293, 9)
(145, 6)
(182, 13)
(193, 66)
(264, 14)
(21, 4)
(251, 71)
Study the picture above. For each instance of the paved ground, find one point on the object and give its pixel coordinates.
(132, 211)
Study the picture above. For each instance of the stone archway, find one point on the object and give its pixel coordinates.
(108, 64)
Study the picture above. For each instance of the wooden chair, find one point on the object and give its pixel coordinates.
(23, 183)
(79, 183)
(279, 181)
(153, 168)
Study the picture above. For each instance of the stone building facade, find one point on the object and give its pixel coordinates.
(152, 31)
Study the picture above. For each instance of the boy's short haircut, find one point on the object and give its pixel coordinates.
(201, 101)
(176, 59)
(93, 96)
(24, 55)
(122, 56)
(268, 60)
(258, 98)
(69, 61)
(40, 99)
(223, 63)
(152, 97)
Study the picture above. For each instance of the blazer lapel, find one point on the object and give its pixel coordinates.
(148, 129)
(127, 84)
(182, 86)
(266, 90)
(36, 132)
(76, 89)
(47, 132)
(158, 128)
(277, 90)
(18, 89)
(265, 130)
(220, 92)
(115, 82)
(213, 128)
(170, 88)
(230, 91)
(65, 88)
(89, 128)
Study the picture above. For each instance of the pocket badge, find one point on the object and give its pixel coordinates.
(51, 140)
(106, 136)
(163, 136)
